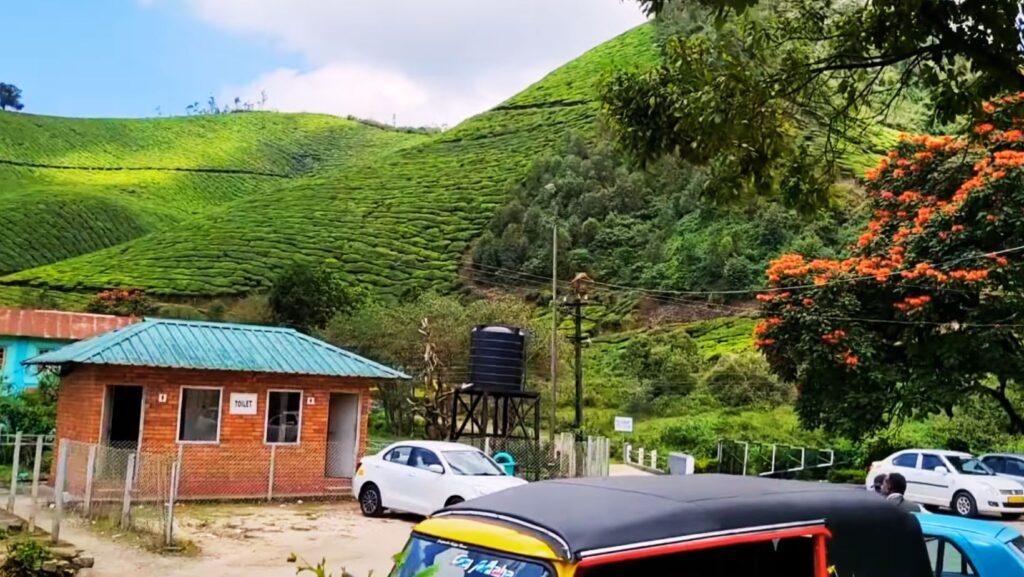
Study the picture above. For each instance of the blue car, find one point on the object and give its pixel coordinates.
(959, 546)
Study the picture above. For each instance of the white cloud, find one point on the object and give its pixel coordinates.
(428, 61)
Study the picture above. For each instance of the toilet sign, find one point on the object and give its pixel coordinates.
(243, 404)
(624, 424)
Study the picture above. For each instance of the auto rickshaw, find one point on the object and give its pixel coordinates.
(699, 526)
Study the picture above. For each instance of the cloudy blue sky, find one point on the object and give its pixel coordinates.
(428, 62)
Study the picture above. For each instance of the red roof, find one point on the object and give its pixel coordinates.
(58, 325)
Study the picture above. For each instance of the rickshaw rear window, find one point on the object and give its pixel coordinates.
(428, 558)
(791, 557)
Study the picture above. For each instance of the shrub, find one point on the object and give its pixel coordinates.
(306, 297)
(24, 559)
(745, 379)
(124, 302)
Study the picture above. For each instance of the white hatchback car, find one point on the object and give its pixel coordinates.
(423, 476)
(954, 480)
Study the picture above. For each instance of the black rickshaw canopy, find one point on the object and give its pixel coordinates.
(583, 518)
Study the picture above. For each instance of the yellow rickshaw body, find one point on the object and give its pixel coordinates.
(500, 538)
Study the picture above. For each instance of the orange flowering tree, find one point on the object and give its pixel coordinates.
(926, 310)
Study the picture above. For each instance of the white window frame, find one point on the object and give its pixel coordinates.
(266, 416)
(181, 414)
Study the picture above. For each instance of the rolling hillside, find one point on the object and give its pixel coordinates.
(215, 205)
(210, 206)
(75, 186)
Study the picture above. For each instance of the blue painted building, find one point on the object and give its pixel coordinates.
(28, 333)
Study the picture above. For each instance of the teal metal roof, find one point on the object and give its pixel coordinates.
(219, 346)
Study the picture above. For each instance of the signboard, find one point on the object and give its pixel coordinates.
(623, 424)
(242, 404)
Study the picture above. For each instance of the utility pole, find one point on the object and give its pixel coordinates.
(554, 320)
(577, 311)
(580, 286)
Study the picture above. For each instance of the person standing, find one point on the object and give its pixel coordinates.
(893, 487)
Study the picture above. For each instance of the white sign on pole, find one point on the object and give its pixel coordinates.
(623, 424)
(243, 404)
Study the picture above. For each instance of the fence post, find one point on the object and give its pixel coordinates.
(36, 469)
(746, 455)
(14, 472)
(126, 498)
(169, 527)
(627, 453)
(90, 472)
(640, 456)
(654, 458)
(270, 479)
(58, 489)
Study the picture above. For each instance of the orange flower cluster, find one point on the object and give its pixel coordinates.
(969, 275)
(912, 303)
(766, 325)
(769, 297)
(850, 359)
(834, 337)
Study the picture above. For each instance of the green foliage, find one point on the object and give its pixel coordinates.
(749, 68)
(306, 297)
(25, 558)
(33, 412)
(714, 102)
(662, 365)
(10, 97)
(648, 227)
(739, 380)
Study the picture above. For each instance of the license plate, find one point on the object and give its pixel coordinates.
(1015, 499)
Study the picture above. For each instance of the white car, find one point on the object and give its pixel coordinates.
(953, 480)
(423, 476)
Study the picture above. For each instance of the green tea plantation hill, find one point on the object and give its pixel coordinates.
(214, 206)
(75, 186)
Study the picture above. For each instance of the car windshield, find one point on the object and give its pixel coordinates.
(424, 557)
(472, 463)
(969, 466)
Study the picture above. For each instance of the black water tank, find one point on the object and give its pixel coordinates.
(497, 358)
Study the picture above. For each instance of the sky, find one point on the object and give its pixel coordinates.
(415, 62)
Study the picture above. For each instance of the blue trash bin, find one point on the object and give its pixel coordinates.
(507, 462)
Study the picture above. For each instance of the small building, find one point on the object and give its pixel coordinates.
(247, 410)
(27, 333)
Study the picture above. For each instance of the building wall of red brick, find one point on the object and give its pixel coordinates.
(238, 465)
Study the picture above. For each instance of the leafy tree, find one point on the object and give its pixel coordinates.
(33, 412)
(306, 297)
(737, 75)
(738, 380)
(10, 97)
(924, 314)
(664, 365)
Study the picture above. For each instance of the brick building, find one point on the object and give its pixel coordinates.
(234, 402)
(25, 333)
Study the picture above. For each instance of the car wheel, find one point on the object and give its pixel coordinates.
(453, 501)
(964, 504)
(1011, 516)
(369, 501)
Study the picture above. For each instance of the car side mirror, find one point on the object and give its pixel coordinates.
(941, 469)
(435, 468)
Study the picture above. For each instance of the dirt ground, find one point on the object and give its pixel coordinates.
(252, 541)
